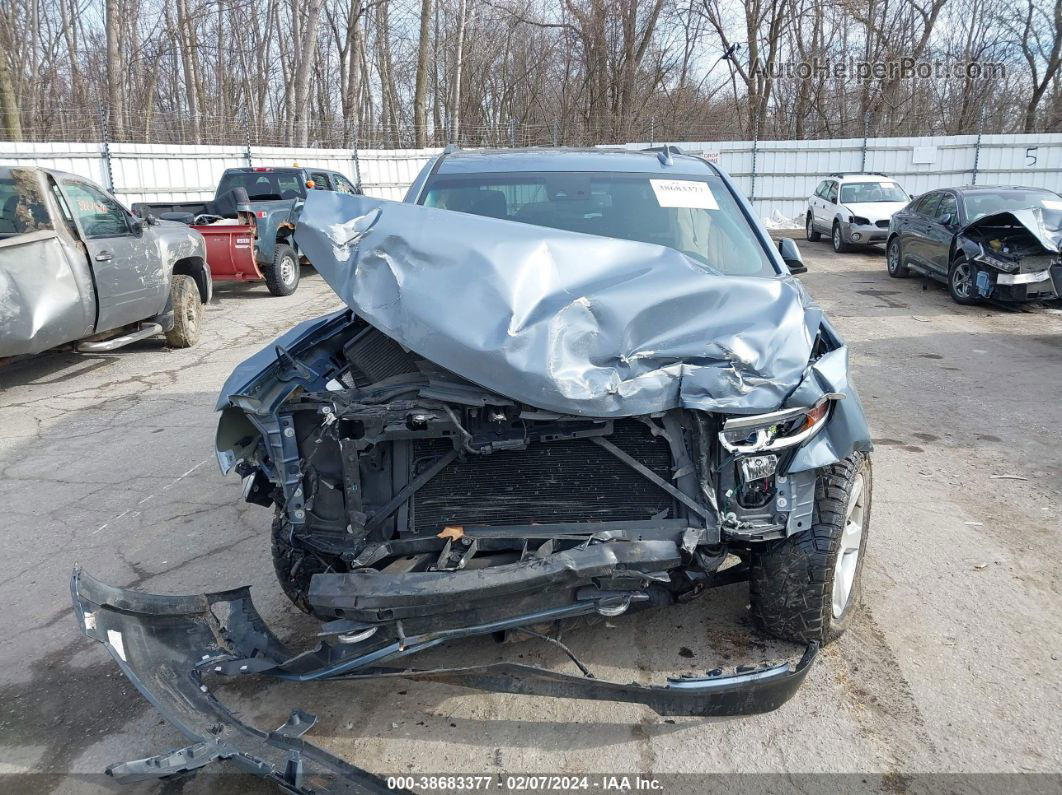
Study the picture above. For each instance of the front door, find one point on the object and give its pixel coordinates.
(127, 268)
(320, 180)
(940, 232)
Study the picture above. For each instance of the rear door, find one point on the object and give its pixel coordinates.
(815, 200)
(127, 268)
(827, 207)
(916, 231)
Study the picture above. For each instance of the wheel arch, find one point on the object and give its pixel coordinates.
(197, 268)
(286, 236)
(960, 248)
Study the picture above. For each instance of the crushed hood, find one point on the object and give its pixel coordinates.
(1031, 219)
(563, 321)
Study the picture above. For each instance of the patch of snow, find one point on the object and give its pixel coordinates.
(779, 221)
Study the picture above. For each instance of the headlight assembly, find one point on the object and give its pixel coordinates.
(1007, 266)
(777, 430)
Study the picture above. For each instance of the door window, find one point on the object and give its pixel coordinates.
(22, 207)
(64, 208)
(831, 194)
(99, 214)
(342, 184)
(320, 180)
(927, 205)
(821, 190)
(946, 208)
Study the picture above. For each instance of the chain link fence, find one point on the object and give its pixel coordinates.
(726, 122)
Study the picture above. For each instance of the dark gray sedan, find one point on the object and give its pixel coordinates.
(998, 243)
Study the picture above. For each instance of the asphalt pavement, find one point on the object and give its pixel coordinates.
(106, 461)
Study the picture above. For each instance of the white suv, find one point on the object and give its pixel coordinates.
(854, 209)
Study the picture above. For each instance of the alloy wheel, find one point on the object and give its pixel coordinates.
(848, 553)
(962, 280)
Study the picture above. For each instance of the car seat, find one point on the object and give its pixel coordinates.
(8, 222)
(490, 203)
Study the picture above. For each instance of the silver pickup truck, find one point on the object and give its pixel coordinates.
(77, 267)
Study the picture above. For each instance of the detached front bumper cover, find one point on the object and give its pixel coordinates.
(164, 645)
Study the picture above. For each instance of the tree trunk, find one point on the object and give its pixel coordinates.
(188, 65)
(455, 110)
(388, 92)
(115, 94)
(9, 113)
(301, 110)
(420, 91)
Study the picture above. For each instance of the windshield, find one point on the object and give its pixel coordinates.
(22, 207)
(268, 185)
(978, 205)
(866, 192)
(698, 217)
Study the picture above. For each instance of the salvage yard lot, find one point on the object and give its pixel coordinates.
(107, 461)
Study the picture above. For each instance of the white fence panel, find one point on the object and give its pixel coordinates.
(777, 175)
(787, 172)
(153, 172)
(84, 159)
(387, 173)
(341, 160)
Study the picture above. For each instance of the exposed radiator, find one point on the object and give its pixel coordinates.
(566, 481)
(374, 356)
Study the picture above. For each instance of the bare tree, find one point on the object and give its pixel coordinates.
(311, 15)
(412, 72)
(9, 113)
(455, 106)
(420, 92)
(1041, 46)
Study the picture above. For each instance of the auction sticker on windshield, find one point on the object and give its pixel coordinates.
(683, 193)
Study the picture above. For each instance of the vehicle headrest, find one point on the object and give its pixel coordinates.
(233, 202)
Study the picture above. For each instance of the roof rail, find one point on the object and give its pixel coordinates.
(854, 173)
(664, 152)
(449, 149)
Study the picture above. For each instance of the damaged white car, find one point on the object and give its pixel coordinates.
(567, 383)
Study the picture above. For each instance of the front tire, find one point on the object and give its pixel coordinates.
(282, 277)
(961, 283)
(809, 230)
(187, 312)
(894, 259)
(838, 240)
(808, 586)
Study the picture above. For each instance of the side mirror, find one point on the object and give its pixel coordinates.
(947, 219)
(136, 225)
(787, 247)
